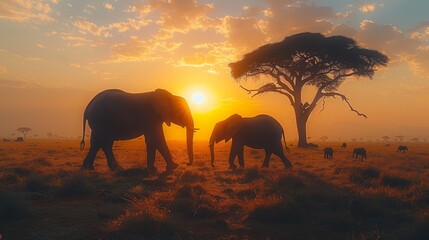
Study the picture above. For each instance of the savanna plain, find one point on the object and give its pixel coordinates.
(44, 195)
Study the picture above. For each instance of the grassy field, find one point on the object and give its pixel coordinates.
(43, 195)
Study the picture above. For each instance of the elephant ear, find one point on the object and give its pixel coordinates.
(161, 103)
(232, 126)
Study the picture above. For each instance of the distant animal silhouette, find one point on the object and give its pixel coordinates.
(260, 132)
(360, 152)
(19, 139)
(6, 140)
(344, 145)
(116, 115)
(402, 148)
(328, 153)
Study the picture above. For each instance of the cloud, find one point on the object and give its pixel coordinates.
(108, 6)
(179, 15)
(6, 83)
(198, 60)
(244, 34)
(289, 17)
(89, 9)
(367, 8)
(138, 50)
(25, 10)
(87, 27)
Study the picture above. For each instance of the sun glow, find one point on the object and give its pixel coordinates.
(198, 98)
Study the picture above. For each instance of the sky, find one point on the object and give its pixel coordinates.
(55, 55)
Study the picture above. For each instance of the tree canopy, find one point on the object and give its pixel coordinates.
(308, 59)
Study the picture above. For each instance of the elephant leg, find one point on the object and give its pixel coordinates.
(111, 161)
(232, 155)
(266, 162)
(279, 152)
(240, 150)
(88, 162)
(150, 153)
(165, 152)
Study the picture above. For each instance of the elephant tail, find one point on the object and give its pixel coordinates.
(82, 143)
(284, 140)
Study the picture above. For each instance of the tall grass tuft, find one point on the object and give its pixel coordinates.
(364, 176)
(395, 182)
(251, 174)
(191, 177)
(76, 186)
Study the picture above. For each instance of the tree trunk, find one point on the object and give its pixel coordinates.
(301, 125)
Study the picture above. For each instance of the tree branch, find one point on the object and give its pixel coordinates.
(344, 98)
(273, 89)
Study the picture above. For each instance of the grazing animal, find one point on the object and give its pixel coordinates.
(117, 115)
(344, 145)
(19, 139)
(402, 148)
(260, 132)
(360, 152)
(328, 153)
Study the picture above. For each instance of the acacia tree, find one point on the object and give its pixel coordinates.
(24, 130)
(308, 60)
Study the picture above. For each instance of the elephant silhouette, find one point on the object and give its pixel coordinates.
(360, 152)
(328, 153)
(402, 148)
(117, 115)
(259, 132)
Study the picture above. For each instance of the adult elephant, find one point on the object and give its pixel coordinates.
(117, 115)
(260, 132)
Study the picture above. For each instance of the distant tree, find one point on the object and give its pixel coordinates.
(385, 138)
(416, 139)
(308, 59)
(24, 131)
(324, 138)
(400, 138)
(354, 140)
(50, 135)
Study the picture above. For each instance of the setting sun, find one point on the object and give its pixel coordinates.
(198, 98)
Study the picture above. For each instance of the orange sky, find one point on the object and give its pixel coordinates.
(56, 55)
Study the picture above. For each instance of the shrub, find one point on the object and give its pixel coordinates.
(364, 176)
(246, 194)
(36, 184)
(395, 182)
(74, 187)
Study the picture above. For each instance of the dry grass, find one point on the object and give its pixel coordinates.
(44, 196)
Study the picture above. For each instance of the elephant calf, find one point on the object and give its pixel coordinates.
(360, 152)
(260, 132)
(328, 153)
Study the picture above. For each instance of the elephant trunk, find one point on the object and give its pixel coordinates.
(189, 143)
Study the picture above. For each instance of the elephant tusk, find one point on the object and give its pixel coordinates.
(196, 129)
